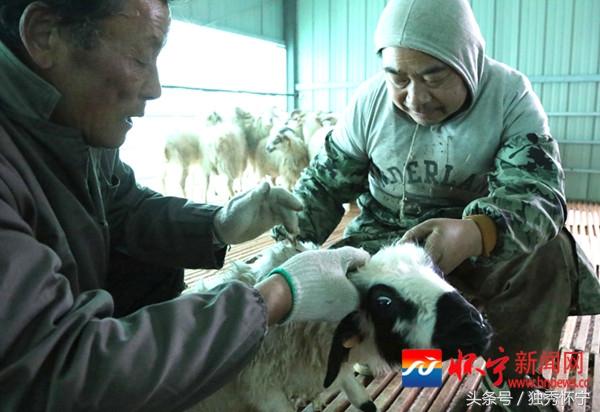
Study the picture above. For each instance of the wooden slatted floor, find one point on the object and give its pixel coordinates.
(580, 333)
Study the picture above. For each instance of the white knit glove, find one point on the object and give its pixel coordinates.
(252, 213)
(320, 288)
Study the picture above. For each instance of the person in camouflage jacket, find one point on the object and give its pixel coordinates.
(452, 149)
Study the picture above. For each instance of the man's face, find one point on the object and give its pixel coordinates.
(107, 85)
(421, 86)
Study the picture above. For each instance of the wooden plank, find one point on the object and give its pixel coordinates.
(595, 347)
(374, 388)
(581, 405)
(568, 331)
(584, 331)
(427, 395)
(339, 404)
(389, 393)
(405, 400)
(468, 388)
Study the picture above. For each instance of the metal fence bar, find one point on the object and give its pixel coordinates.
(206, 89)
(573, 114)
(576, 78)
(588, 171)
(592, 142)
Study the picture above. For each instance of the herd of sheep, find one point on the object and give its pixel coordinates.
(273, 146)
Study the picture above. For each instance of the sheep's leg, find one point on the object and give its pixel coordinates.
(206, 184)
(241, 183)
(185, 170)
(164, 180)
(230, 187)
(355, 391)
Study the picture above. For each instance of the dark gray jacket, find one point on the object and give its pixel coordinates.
(63, 207)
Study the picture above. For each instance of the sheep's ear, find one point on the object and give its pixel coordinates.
(338, 353)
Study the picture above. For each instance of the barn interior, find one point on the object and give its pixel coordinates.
(298, 63)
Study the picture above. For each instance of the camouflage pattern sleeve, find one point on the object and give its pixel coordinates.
(526, 195)
(332, 179)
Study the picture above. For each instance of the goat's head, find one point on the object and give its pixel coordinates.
(242, 118)
(406, 305)
(280, 139)
(214, 118)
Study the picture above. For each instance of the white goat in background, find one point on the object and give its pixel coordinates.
(283, 154)
(305, 124)
(184, 149)
(312, 127)
(404, 304)
(225, 151)
(257, 129)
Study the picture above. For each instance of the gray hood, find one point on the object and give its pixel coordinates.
(444, 29)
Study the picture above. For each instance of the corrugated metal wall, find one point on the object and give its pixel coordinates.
(555, 42)
(258, 18)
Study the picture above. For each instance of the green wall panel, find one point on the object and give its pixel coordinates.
(259, 18)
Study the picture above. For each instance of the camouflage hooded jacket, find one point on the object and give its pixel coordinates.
(495, 157)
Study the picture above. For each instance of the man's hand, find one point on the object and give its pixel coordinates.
(252, 213)
(319, 287)
(448, 241)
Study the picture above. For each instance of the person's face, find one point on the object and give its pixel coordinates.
(421, 86)
(107, 85)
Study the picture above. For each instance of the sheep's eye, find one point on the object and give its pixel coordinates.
(384, 302)
(384, 307)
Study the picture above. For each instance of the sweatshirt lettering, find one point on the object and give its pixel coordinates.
(428, 172)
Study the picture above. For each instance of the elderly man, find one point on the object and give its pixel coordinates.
(448, 147)
(89, 260)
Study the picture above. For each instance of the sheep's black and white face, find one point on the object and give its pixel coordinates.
(405, 304)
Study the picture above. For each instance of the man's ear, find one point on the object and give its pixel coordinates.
(39, 31)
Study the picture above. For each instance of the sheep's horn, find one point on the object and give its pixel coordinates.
(338, 353)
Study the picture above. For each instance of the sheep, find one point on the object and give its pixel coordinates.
(257, 129)
(305, 124)
(184, 148)
(404, 304)
(224, 149)
(312, 127)
(283, 154)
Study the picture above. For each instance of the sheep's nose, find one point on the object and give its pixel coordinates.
(459, 326)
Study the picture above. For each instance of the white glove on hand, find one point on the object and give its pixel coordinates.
(252, 213)
(318, 282)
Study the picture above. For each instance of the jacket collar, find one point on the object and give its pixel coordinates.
(23, 91)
